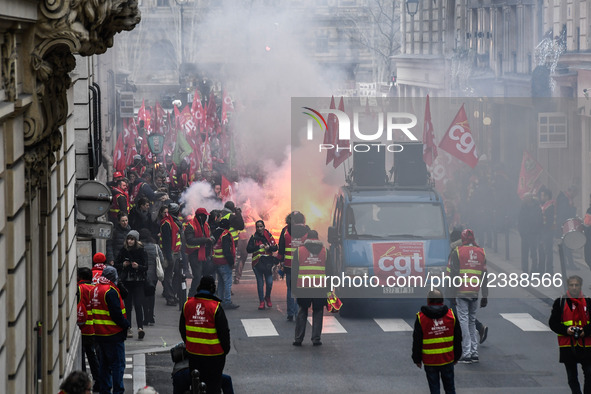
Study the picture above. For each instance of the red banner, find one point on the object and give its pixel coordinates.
(227, 192)
(429, 146)
(398, 259)
(458, 140)
(529, 174)
(341, 155)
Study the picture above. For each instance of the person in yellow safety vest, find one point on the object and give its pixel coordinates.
(570, 320)
(120, 201)
(86, 321)
(224, 257)
(170, 243)
(310, 266)
(468, 262)
(437, 342)
(110, 329)
(292, 236)
(234, 216)
(204, 328)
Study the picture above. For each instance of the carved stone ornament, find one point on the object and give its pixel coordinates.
(9, 57)
(64, 28)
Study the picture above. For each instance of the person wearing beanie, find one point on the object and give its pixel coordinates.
(132, 266)
(204, 328)
(468, 259)
(98, 264)
(110, 329)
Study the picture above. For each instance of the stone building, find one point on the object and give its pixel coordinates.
(47, 136)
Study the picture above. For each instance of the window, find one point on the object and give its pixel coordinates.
(395, 221)
(552, 130)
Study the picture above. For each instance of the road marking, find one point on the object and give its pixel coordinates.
(127, 376)
(392, 325)
(139, 371)
(259, 327)
(525, 322)
(330, 325)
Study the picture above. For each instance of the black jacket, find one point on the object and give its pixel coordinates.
(114, 305)
(193, 240)
(129, 274)
(227, 243)
(569, 354)
(115, 243)
(434, 312)
(221, 323)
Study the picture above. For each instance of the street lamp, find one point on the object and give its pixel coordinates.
(412, 7)
(182, 3)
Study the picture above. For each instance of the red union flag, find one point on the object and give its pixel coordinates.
(429, 147)
(458, 140)
(529, 174)
(398, 259)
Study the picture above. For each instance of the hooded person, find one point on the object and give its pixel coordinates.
(435, 323)
(199, 247)
(98, 264)
(224, 256)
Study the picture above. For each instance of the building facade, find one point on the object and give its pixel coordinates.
(48, 62)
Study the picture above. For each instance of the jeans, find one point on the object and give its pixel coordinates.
(169, 292)
(447, 377)
(261, 279)
(135, 298)
(573, 378)
(292, 307)
(210, 369)
(302, 318)
(181, 382)
(224, 283)
(199, 269)
(466, 308)
(112, 356)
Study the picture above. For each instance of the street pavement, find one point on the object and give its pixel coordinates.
(369, 353)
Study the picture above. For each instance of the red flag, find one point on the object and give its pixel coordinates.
(227, 106)
(227, 189)
(330, 135)
(211, 113)
(343, 153)
(458, 140)
(206, 160)
(529, 174)
(442, 170)
(118, 157)
(144, 115)
(429, 147)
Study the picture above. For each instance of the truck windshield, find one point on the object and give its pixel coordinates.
(396, 220)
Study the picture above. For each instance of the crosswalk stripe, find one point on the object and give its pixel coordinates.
(259, 327)
(391, 325)
(127, 376)
(330, 325)
(525, 322)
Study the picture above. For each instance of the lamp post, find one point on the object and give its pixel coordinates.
(182, 3)
(412, 7)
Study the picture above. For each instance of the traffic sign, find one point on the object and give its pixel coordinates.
(93, 199)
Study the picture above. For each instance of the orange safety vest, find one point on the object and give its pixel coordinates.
(256, 255)
(199, 233)
(176, 234)
(218, 250)
(85, 308)
(312, 266)
(438, 338)
(291, 244)
(202, 336)
(103, 324)
(472, 264)
(568, 319)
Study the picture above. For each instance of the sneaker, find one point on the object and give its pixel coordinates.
(296, 343)
(140, 333)
(236, 281)
(317, 343)
(474, 359)
(262, 305)
(231, 306)
(483, 334)
(289, 318)
(465, 360)
(268, 300)
(129, 333)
